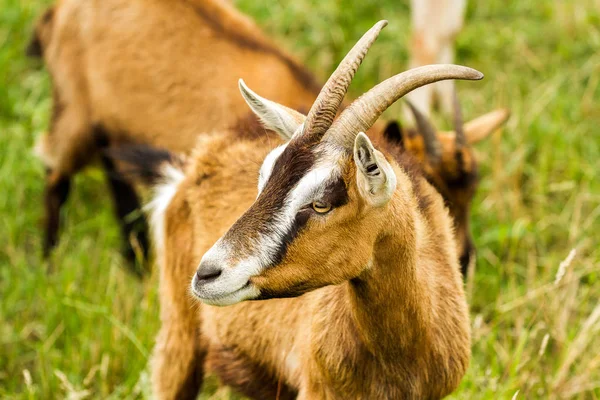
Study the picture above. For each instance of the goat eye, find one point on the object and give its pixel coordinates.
(321, 207)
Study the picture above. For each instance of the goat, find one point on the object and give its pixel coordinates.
(121, 97)
(349, 249)
(435, 24)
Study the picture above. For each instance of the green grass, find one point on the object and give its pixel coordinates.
(82, 326)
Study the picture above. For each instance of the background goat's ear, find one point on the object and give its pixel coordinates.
(375, 176)
(481, 127)
(275, 117)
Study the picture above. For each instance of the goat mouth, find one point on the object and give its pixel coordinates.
(222, 298)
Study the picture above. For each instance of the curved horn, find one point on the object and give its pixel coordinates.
(325, 108)
(428, 133)
(364, 111)
(459, 127)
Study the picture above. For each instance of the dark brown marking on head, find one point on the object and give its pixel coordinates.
(230, 33)
(335, 193)
(295, 161)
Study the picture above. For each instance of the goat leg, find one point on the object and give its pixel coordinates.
(56, 194)
(134, 228)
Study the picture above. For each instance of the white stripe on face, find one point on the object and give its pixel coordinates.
(310, 188)
(267, 166)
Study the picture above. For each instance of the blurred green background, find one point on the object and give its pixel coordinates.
(81, 327)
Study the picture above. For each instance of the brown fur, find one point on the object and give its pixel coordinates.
(246, 375)
(240, 30)
(411, 341)
(128, 80)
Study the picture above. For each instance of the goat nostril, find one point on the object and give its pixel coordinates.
(209, 273)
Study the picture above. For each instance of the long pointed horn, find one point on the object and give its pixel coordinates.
(364, 111)
(428, 132)
(325, 108)
(459, 127)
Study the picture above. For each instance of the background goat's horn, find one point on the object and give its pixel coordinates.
(459, 128)
(428, 133)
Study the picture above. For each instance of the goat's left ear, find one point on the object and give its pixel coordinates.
(375, 176)
(274, 116)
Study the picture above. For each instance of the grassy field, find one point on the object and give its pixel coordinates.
(81, 327)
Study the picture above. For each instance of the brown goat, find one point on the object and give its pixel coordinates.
(358, 239)
(112, 85)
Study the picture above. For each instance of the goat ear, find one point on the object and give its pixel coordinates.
(375, 176)
(274, 116)
(481, 127)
